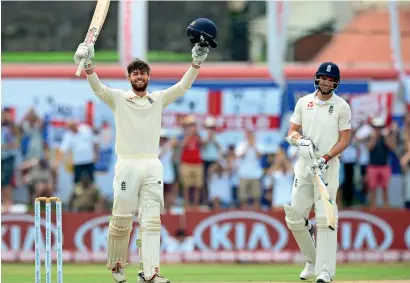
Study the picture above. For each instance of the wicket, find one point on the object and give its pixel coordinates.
(59, 240)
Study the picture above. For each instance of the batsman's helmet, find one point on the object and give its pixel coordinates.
(328, 69)
(203, 31)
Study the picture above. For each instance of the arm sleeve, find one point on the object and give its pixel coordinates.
(174, 92)
(345, 118)
(100, 90)
(297, 114)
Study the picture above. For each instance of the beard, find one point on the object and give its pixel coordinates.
(325, 90)
(137, 87)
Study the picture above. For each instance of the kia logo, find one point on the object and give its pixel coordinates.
(22, 238)
(366, 233)
(226, 231)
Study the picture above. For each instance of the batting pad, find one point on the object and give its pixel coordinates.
(150, 227)
(326, 243)
(118, 239)
(298, 225)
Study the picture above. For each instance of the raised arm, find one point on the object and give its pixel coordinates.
(102, 91)
(199, 55)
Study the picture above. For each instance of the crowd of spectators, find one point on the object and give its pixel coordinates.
(198, 172)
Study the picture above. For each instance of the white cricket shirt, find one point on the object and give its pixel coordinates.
(321, 121)
(138, 119)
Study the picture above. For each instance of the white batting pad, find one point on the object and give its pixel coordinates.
(326, 243)
(150, 227)
(297, 224)
(118, 239)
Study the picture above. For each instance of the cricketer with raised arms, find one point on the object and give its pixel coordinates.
(138, 180)
(320, 126)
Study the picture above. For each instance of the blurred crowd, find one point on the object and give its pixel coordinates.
(198, 172)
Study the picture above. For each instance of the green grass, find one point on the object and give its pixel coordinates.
(97, 273)
(100, 56)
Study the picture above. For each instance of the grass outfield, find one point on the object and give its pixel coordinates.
(100, 56)
(93, 273)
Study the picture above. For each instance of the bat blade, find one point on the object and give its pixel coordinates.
(100, 13)
(327, 201)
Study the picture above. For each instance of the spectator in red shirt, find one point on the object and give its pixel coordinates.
(191, 165)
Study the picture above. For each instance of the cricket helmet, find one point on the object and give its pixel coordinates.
(204, 31)
(328, 69)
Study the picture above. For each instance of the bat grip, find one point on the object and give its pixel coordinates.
(80, 67)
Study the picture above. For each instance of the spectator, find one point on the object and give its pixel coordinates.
(405, 160)
(219, 184)
(37, 176)
(86, 196)
(166, 154)
(348, 160)
(8, 155)
(232, 164)
(81, 141)
(33, 145)
(378, 171)
(191, 166)
(279, 181)
(361, 136)
(211, 149)
(250, 170)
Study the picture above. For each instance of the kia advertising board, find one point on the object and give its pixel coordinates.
(220, 237)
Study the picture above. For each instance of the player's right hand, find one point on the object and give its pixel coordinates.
(84, 51)
(306, 148)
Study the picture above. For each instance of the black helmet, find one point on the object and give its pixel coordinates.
(203, 31)
(328, 69)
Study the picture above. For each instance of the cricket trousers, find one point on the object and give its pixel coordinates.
(137, 181)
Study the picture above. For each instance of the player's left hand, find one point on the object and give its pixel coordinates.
(199, 54)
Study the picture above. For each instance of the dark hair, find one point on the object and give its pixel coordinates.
(138, 64)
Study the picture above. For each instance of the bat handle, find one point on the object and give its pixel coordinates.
(80, 67)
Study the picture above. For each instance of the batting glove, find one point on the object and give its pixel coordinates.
(84, 51)
(321, 165)
(199, 54)
(306, 147)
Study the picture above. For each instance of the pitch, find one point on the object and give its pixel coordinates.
(193, 273)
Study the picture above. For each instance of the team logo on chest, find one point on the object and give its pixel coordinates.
(309, 105)
(330, 109)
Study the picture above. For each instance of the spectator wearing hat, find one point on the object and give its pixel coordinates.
(381, 142)
(211, 150)
(191, 165)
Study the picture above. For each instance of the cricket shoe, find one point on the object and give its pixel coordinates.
(308, 272)
(324, 277)
(118, 273)
(156, 279)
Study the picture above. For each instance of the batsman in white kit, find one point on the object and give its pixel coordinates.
(320, 126)
(138, 181)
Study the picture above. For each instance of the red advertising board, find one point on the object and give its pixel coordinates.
(221, 236)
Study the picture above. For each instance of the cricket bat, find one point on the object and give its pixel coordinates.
(97, 22)
(326, 200)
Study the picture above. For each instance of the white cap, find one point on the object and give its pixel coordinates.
(210, 122)
(378, 122)
(164, 133)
